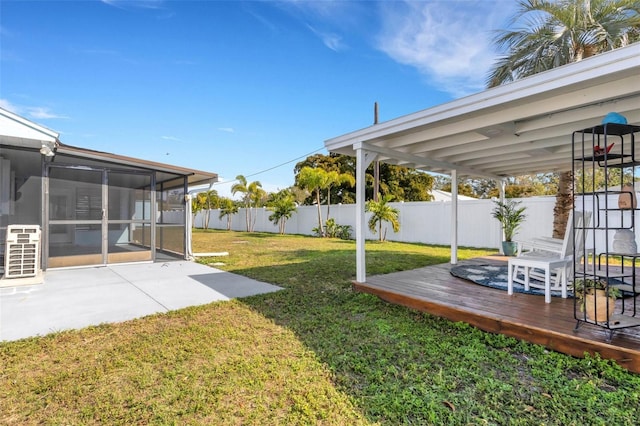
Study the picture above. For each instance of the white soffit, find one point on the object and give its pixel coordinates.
(519, 128)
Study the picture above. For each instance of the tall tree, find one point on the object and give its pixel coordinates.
(251, 194)
(336, 178)
(403, 183)
(342, 164)
(381, 212)
(548, 34)
(315, 180)
(227, 209)
(206, 201)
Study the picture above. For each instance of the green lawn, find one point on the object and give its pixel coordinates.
(315, 353)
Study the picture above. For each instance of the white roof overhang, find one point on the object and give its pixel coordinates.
(524, 127)
(194, 177)
(18, 131)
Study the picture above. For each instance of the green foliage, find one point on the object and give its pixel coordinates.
(516, 187)
(594, 179)
(341, 164)
(381, 212)
(314, 180)
(334, 230)
(510, 215)
(227, 209)
(252, 195)
(283, 205)
(548, 34)
(402, 183)
(584, 286)
(205, 201)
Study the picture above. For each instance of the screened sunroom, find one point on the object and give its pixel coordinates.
(91, 207)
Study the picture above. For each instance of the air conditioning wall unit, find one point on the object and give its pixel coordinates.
(22, 252)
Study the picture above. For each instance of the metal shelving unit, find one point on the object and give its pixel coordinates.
(610, 148)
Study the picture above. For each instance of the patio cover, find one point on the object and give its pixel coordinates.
(519, 128)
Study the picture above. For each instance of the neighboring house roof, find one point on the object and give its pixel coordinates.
(446, 196)
(518, 128)
(20, 132)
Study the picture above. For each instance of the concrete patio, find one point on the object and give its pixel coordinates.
(77, 298)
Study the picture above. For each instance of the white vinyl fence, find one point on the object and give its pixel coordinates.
(420, 222)
(430, 222)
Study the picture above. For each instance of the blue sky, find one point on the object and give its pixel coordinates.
(236, 87)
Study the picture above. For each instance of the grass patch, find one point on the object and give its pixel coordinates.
(315, 353)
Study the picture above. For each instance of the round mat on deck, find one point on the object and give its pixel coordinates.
(495, 276)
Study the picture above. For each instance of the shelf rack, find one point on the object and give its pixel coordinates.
(610, 148)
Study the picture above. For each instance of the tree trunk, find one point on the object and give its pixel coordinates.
(206, 219)
(564, 204)
(319, 213)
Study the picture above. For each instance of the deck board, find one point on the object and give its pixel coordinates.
(434, 290)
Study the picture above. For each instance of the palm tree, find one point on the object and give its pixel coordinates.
(252, 193)
(382, 212)
(206, 201)
(256, 197)
(555, 33)
(283, 205)
(196, 207)
(314, 180)
(227, 208)
(335, 178)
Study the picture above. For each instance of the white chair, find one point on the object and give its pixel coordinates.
(549, 258)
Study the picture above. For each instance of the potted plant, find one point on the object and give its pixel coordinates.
(592, 295)
(510, 215)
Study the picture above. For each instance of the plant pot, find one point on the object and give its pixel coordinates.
(596, 306)
(509, 248)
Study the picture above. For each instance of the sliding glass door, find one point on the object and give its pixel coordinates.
(76, 213)
(98, 216)
(129, 217)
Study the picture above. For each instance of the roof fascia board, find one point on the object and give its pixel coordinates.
(130, 161)
(579, 73)
(551, 106)
(50, 134)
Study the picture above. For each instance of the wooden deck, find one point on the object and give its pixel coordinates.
(434, 290)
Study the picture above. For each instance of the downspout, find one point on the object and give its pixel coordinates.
(188, 209)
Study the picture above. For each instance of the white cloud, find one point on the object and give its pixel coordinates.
(331, 40)
(448, 42)
(38, 113)
(227, 129)
(43, 113)
(142, 4)
(5, 104)
(171, 138)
